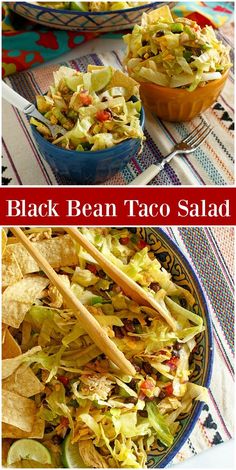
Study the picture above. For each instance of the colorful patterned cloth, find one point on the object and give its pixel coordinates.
(211, 253)
(211, 164)
(25, 44)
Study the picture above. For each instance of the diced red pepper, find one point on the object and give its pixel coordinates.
(64, 380)
(85, 98)
(64, 422)
(172, 363)
(92, 268)
(141, 244)
(103, 115)
(124, 240)
(169, 390)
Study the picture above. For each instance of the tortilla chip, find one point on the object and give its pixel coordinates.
(15, 433)
(11, 271)
(119, 79)
(59, 251)
(10, 365)
(18, 411)
(10, 348)
(19, 297)
(24, 382)
(4, 240)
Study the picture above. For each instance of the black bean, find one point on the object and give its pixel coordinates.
(57, 439)
(162, 394)
(159, 34)
(131, 400)
(183, 302)
(147, 368)
(144, 43)
(178, 346)
(49, 429)
(102, 274)
(104, 99)
(118, 332)
(132, 384)
(148, 322)
(129, 326)
(143, 413)
(155, 286)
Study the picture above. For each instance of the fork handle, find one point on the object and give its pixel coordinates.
(15, 99)
(152, 171)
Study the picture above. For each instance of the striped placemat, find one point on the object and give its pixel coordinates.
(211, 164)
(211, 253)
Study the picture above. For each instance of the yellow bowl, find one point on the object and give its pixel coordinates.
(177, 105)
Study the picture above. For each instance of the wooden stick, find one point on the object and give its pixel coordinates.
(87, 321)
(130, 287)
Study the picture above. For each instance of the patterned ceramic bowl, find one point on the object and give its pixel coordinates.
(173, 260)
(82, 21)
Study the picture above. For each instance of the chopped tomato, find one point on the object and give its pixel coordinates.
(173, 362)
(92, 268)
(124, 240)
(141, 396)
(64, 380)
(141, 244)
(64, 422)
(103, 115)
(147, 387)
(85, 98)
(169, 390)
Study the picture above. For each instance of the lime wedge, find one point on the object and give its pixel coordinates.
(74, 81)
(79, 6)
(28, 449)
(101, 78)
(70, 454)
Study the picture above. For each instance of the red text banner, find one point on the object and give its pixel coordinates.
(129, 206)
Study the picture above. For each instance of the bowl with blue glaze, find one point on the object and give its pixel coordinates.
(88, 167)
(174, 261)
(95, 21)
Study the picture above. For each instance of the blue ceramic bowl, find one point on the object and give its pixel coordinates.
(183, 274)
(101, 21)
(88, 168)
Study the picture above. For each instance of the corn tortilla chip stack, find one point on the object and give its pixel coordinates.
(18, 411)
(10, 348)
(15, 433)
(10, 365)
(24, 382)
(18, 298)
(11, 271)
(59, 251)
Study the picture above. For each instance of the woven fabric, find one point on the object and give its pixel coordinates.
(211, 251)
(211, 164)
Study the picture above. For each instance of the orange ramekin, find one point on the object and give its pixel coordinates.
(177, 105)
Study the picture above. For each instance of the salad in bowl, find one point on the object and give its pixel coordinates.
(64, 403)
(175, 52)
(99, 109)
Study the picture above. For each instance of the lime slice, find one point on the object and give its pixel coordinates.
(70, 454)
(101, 78)
(79, 6)
(28, 449)
(74, 81)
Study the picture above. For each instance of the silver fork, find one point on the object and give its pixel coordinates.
(188, 145)
(29, 108)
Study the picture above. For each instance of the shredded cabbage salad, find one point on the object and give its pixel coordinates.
(92, 6)
(99, 109)
(174, 52)
(114, 419)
